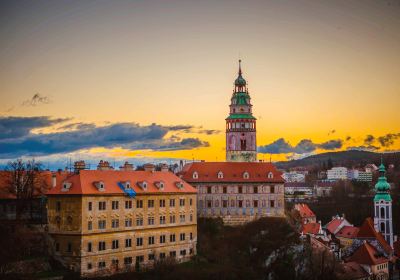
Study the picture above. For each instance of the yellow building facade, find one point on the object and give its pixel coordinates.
(103, 222)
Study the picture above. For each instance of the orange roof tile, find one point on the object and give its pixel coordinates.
(348, 232)
(334, 224)
(232, 172)
(352, 270)
(367, 254)
(311, 228)
(367, 230)
(304, 210)
(84, 182)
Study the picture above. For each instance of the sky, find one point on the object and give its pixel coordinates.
(151, 81)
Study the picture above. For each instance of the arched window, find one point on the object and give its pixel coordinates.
(382, 212)
(220, 175)
(195, 175)
(270, 175)
(246, 175)
(382, 227)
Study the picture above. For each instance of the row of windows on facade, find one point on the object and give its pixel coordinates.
(240, 189)
(100, 185)
(140, 259)
(128, 242)
(240, 204)
(102, 224)
(238, 125)
(220, 175)
(102, 205)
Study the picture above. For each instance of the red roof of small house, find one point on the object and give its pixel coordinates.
(367, 254)
(231, 172)
(348, 232)
(311, 228)
(85, 182)
(367, 230)
(304, 210)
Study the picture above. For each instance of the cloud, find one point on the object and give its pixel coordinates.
(17, 127)
(305, 146)
(36, 99)
(209, 131)
(79, 126)
(369, 139)
(18, 140)
(348, 138)
(369, 148)
(331, 132)
(388, 139)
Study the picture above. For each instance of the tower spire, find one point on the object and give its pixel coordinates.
(240, 67)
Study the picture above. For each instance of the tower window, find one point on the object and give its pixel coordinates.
(382, 212)
(382, 227)
(243, 144)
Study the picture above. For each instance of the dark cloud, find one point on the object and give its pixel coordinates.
(388, 139)
(209, 131)
(279, 146)
(369, 139)
(305, 146)
(17, 139)
(37, 99)
(17, 127)
(331, 132)
(348, 138)
(369, 148)
(79, 126)
(184, 128)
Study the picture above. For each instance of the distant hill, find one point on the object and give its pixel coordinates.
(343, 158)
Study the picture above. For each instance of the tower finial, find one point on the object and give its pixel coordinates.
(240, 67)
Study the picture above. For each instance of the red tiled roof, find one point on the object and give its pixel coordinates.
(333, 225)
(84, 182)
(367, 230)
(348, 232)
(367, 254)
(232, 172)
(311, 228)
(353, 270)
(304, 210)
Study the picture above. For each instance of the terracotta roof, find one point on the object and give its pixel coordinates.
(352, 270)
(334, 224)
(304, 210)
(348, 232)
(367, 254)
(311, 228)
(231, 171)
(85, 182)
(367, 230)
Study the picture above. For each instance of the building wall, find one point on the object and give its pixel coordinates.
(269, 204)
(75, 233)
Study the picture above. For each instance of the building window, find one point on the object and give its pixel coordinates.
(114, 205)
(102, 264)
(151, 257)
(102, 245)
(128, 243)
(172, 219)
(114, 223)
(102, 205)
(183, 252)
(191, 251)
(162, 202)
(382, 212)
(90, 225)
(272, 189)
(115, 244)
(172, 254)
(114, 262)
(209, 203)
(162, 255)
(182, 237)
(128, 204)
(139, 259)
(139, 221)
(139, 241)
(191, 217)
(182, 218)
(224, 203)
(191, 202)
(270, 175)
(191, 236)
(272, 203)
(255, 189)
(150, 221)
(150, 203)
(195, 175)
(383, 227)
(89, 247)
(172, 238)
(162, 220)
(181, 202)
(89, 206)
(240, 203)
(162, 239)
(69, 247)
(58, 206)
(255, 203)
(128, 222)
(208, 189)
(102, 224)
(139, 204)
(240, 189)
(224, 189)
(172, 203)
(128, 260)
(151, 240)
(232, 203)
(89, 266)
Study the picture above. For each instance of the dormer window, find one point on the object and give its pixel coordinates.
(220, 175)
(160, 185)
(246, 175)
(195, 175)
(127, 185)
(143, 185)
(270, 175)
(100, 185)
(66, 186)
(179, 185)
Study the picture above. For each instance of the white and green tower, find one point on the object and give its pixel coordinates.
(383, 207)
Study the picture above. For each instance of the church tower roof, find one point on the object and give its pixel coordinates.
(382, 187)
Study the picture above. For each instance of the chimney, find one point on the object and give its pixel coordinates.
(78, 166)
(164, 167)
(53, 180)
(127, 166)
(104, 165)
(149, 167)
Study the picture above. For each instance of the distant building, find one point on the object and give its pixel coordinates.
(294, 177)
(305, 213)
(106, 221)
(323, 188)
(371, 168)
(298, 191)
(359, 175)
(336, 224)
(337, 173)
(236, 191)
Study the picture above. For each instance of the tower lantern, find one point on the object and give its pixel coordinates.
(241, 124)
(383, 207)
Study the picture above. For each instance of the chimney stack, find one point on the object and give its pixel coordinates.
(149, 167)
(127, 166)
(53, 180)
(164, 167)
(104, 165)
(78, 166)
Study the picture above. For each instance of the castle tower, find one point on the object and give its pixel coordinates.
(240, 124)
(383, 207)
